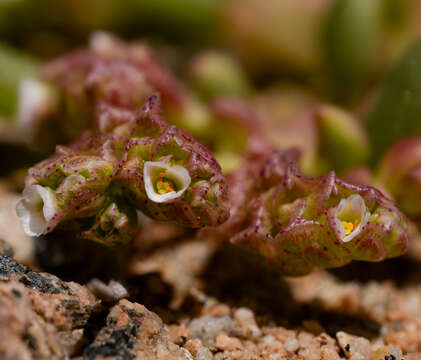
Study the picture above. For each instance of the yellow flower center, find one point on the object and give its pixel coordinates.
(349, 226)
(163, 186)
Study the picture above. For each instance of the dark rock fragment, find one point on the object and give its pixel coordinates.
(133, 332)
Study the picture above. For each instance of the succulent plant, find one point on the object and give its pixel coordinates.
(101, 86)
(122, 75)
(298, 222)
(127, 158)
(93, 186)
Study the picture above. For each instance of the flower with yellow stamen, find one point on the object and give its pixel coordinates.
(349, 226)
(163, 185)
(163, 182)
(351, 215)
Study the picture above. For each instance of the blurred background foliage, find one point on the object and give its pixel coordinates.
(356, 61)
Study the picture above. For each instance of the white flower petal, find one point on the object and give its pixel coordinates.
(351, 208)
(358, 228)
(177, 172)
(37, 207)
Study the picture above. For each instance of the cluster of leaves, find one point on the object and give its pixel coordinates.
(123, 160)
(299, 222)
(94, 185)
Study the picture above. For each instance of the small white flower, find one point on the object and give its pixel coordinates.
(163, 182)
(37, 207)
(350, 216)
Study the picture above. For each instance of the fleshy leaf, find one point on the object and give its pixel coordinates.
(396, 113)
(343, 142)
(350, 50)
(98, 181)
(298, 222)
(116, 225)
(217, 74)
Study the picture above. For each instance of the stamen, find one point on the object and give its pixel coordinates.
(164, 183)
(349, 226)
(163, 186)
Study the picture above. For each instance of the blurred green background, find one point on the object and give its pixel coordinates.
(357, 55)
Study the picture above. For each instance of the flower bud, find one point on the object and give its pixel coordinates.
(116, 225)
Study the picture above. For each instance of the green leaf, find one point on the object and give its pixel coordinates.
(14, 67)
(350, 37)
(342, 139)
(215, 73)
(397, 112)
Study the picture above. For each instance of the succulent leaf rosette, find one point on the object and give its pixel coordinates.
(123, 76)
(102, 86)
(169, 175)
(299, 222)
(95, 185)
(71, 191)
